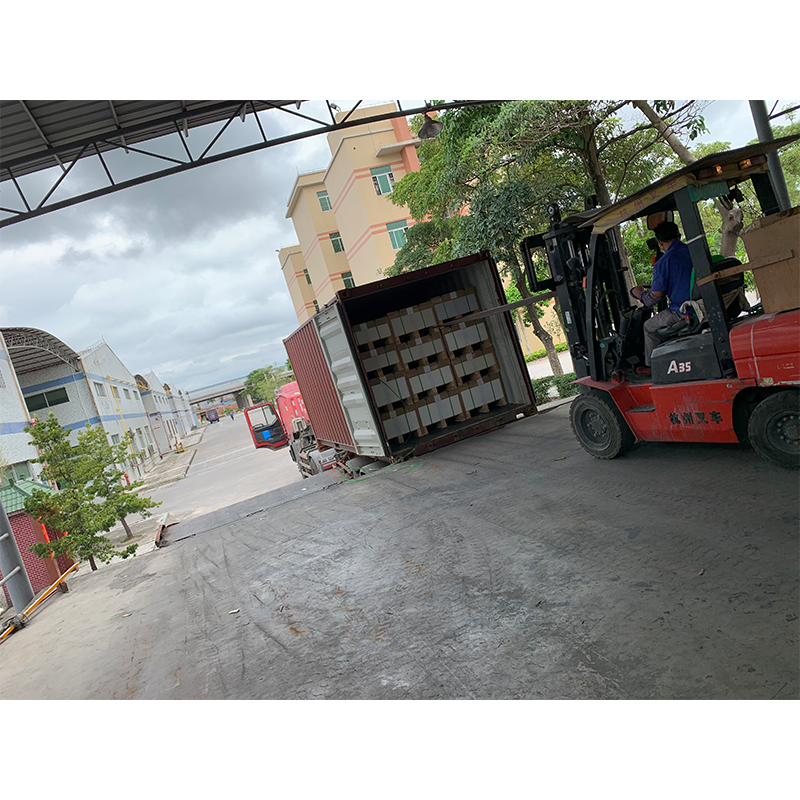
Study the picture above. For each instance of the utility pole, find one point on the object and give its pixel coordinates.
(758, 108)
(12, 567)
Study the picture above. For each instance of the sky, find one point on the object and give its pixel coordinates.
(181, 275)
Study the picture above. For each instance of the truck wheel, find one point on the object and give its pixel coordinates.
(774, 429)
(599, 426)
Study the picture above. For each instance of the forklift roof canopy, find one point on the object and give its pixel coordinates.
(660, 196)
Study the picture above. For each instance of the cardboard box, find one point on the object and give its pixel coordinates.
(479, 393)
(422, 347)
(471, 363)
(454, 304)
(389, 390)
(366, 332)
(399, 423)
(441, 407)
(381, 358)
(429, 378)
(466, 334)
(777, 281)
(411, 320)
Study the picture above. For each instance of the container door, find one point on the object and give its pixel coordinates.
(266, 427)
(353, 395)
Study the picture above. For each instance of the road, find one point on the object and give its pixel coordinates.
(227, 469)
(511, 565)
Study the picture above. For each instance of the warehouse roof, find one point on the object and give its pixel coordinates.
(31, 349)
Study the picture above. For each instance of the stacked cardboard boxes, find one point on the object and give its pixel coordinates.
(423, 373)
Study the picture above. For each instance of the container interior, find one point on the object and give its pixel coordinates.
(432, 382)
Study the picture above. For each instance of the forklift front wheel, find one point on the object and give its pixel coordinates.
(774, 429)
(599, 426)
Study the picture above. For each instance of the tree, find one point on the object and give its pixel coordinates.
(81, 508)
(261, 384)
(732, 217)
(105, 478)
(500, 217)
(501, 164)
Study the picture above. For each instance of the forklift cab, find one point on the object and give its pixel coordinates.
(602, 321)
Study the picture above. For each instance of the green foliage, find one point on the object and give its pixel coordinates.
(541, 387)
(427, 243)
(261, 384)
(105, 478)
(90, 499)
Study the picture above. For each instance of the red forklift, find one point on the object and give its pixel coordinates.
(725, 373)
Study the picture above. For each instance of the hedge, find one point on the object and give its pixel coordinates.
(537, 354)
(560, 382)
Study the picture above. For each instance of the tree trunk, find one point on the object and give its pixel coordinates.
(731, 216)
(129, 534)
(92, 564)
(544, 336)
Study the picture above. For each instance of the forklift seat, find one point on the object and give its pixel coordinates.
(732, 292)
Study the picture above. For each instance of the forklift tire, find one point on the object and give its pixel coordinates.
(774, 429)
(599, 426)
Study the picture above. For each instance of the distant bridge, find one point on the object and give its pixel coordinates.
(218, 390)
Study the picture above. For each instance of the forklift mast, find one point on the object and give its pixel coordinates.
(589, 280)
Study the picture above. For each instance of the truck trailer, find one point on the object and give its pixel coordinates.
(403, 366)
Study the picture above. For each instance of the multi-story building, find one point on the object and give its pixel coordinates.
(347, 227)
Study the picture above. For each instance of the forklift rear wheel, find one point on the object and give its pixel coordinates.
(774, 429)
(599, 426)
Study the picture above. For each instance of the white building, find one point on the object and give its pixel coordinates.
(16, 450)
(40, 374)
(161, 413)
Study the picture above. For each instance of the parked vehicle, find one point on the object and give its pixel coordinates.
(212, 415)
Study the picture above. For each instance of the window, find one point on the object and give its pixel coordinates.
(336, 241)
(383, 179)
(46, 399)
(115, 392)
(100, 389)
(114, 438)
(316, 306)
(347, 277)
(308, 277)
(324, 201)
(127, 394)
(397, 233)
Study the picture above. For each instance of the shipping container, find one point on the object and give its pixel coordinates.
(402, 365)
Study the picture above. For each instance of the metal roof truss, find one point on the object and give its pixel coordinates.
(39, 135)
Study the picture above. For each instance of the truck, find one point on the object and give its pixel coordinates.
(212, 415)
(286, 422)
(402, 366)
(725, 372)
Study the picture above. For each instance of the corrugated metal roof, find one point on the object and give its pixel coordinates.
(38, 134)
(31, 349)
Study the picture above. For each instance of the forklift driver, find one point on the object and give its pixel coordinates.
(672, 276)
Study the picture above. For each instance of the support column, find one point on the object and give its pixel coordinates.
(19, 585)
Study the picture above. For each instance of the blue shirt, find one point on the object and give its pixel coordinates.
(673, 275)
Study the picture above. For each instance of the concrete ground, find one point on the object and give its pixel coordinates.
(510, 565)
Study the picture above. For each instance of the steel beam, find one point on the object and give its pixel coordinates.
(91, 146)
